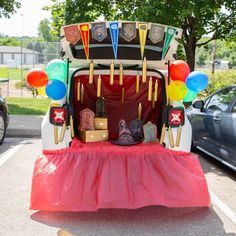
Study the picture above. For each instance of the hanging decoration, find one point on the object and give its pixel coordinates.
(72, 34)
(170, 32)
(82, 94)
(144, 72)
(99, 31)
(137, 83)
(114, 32)
(112, 72)
(156, 91)
(139, 111)
(121, 75)
(142, 28)
(78, 91)
(99, 81)
(156, 33)
(128, 31)
(91, 68)
(84, 31)
(150, 89)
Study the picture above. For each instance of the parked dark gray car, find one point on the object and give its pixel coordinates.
(3, 119)
(214, 125)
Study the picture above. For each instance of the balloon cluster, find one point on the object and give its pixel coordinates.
(51, 81)
(185, 85)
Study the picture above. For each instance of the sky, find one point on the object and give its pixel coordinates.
(32, 15)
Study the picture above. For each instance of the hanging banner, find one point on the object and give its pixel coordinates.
(99, 31)
(84, 32)
(170, 32)
(114, 32)
(142, 28)
(128, 31)
(156, 33)
(72, 34)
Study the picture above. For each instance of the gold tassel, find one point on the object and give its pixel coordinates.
(121, 75)
(178, 136)
(56, 134)
(112, 72)
(171, 137)
(72, 126)
(163, 129)
(91, 68)
(144, 74)
(63, 130)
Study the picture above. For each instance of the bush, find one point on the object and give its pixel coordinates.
(218, 80)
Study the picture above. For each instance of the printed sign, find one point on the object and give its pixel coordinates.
(156, 33)
(128, 31)
(99, 31)
(84, 31)
(142, 28)
(72, 34)
(114, 31)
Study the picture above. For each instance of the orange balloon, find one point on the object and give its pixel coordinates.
(179, 70)
(37, 77)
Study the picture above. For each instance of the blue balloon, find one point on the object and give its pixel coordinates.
(197, 81)
(56, 89)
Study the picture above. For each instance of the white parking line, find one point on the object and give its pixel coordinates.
(223, 207)
(8, 154)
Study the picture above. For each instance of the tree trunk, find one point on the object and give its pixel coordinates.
(190, 50)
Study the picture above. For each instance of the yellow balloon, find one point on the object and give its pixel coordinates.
(176, 90)
(41, 91)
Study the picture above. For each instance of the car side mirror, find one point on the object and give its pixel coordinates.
(198, 105)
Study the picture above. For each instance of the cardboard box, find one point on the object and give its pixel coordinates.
(93, 135)
(100, 123)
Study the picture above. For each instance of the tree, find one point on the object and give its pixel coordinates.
(196, 17)
(44, 30)
(8, 7)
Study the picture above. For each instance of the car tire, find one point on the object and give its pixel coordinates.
(3, 127)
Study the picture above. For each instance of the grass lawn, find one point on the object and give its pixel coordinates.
(27, 106)
(14, 74)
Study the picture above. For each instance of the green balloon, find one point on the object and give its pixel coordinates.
(57, 69)
(190, 96)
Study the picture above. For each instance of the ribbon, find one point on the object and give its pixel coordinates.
(114, 32)
(84, 31)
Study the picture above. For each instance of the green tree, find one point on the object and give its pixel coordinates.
(196, 17)
(44, 30)
(8, 7)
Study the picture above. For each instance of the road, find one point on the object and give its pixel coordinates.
(17, 157)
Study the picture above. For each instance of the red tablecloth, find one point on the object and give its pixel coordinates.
(86, 177)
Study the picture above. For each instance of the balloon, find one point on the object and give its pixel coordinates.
(56, 89)
(41, 91)
(179, 70)
(37, 77)
(197, 81)
(57, 69)
(176, 90)
(190, 96)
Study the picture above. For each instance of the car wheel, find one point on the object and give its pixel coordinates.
(2, 127)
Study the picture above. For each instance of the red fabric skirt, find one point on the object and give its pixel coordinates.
(89, 176)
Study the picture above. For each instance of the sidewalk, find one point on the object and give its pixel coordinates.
(24, 126)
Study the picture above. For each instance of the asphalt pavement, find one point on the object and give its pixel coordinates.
(24, 126)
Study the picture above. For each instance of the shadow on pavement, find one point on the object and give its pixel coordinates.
(153, 220)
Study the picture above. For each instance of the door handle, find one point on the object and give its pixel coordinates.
(217, 119)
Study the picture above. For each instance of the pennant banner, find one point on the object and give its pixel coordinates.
(84, 31)
(156, 33)
(99, 31)
(170, 32)
(72, 34)
(128, 31)
(142, 28)
(114, 32)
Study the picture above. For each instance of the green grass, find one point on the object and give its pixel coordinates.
(27, 106)
(13, 74)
